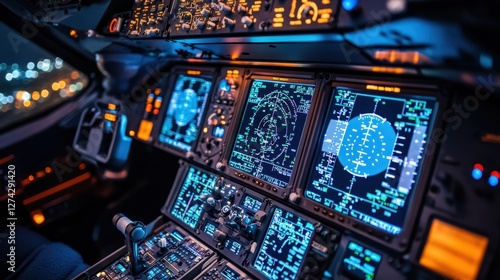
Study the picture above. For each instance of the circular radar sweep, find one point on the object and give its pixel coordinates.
(187, 106)
(275, 116)
(367, 145)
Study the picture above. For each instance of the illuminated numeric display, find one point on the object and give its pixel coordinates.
(360, 263)
(284, 246)
(229, 274)
(271, 128)
(369, 156)
(184, 113)
(251, 204)
(188, 206)
(233, 246)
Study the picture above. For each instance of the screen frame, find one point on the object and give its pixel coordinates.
(279, 76)
(210, 74)
(401, 241)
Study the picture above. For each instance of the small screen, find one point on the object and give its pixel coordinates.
(369, 155)
(360, 263)
(210, 228)
(233, 246)
(230, 274)
(284, 246)
(251, 204)
(270, 130)
(184, 113)
(188, 206)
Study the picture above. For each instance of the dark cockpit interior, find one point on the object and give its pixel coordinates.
(250, 139)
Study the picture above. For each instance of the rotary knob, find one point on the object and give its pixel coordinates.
(225, 9)
(247, 21)
(228, 22)
(205, 12)
(199, 24)
(186, 26)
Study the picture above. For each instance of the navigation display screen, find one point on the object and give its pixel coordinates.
(188, 207)
(370, 154)
(270, 130)
(284, 246)
(185, 111)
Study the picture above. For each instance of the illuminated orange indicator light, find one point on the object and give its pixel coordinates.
(40, 174)
(111, 106)
(393, 70)
(383, 88)
(48, 170)
(38, 217)
(73, 33)
(31, 178)
(453, 251)
(157, 91)
(194, 72)
(156, 111)
(145, 129)
(113, 25)
(157, 103)
(82, 166)
(110, 117)
(149, 108)
(131, 133)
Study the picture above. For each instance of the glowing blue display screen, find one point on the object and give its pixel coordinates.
(188, 205)
(284, 246)
(270, 130)
(230, 274)
(251, 204)
(185, 111)
(369, 155)
(360, 263)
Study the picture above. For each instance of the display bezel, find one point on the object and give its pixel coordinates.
(277, 76)
(202, 72)
(396, 242)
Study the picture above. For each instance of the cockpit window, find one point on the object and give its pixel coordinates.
(32, 80)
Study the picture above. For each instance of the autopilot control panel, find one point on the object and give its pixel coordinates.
(293, 174)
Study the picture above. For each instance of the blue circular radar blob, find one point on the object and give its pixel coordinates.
(186, 107)
(367, 145)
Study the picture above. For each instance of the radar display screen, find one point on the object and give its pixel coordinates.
(284, 246)
(251, 204)
(360, 263)
(184, 113)
(369, 156)
(271, 128)
(188, 205)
